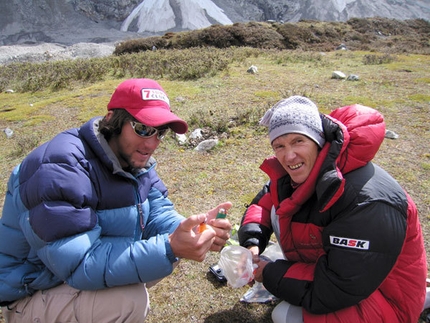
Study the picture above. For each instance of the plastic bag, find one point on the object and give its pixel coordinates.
(258, 293)
(273, 252)
(236, 265)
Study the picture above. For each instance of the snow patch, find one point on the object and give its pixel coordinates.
(152, 15)
(158, 15)
(194, 14)
(339, 5)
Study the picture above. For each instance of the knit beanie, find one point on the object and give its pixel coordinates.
(295, 114)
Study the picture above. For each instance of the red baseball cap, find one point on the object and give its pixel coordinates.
(147, 102)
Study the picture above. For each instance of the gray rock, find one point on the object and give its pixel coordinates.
(341, 47)
(338, 75)
(8, 132)
(196, 134)
(181, 138)
(353, 77)
(252, 69)
(206, 145)
(391, 134)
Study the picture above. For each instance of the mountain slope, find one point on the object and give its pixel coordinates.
(159, 15)
(71, 21)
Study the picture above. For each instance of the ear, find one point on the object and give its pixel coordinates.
(108, 115)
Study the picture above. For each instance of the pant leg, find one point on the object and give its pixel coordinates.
(53, 305)
(123, 304)
(284, 312)
(64, 304)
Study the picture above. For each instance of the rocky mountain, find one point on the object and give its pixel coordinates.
(103, 21)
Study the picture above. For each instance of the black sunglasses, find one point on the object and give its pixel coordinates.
(146, 131)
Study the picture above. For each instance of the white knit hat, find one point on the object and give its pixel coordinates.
(295, 114)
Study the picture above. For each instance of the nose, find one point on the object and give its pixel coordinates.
(289, 155)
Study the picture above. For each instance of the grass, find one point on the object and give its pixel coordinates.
(229, 103)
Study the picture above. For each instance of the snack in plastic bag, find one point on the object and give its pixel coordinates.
(236, 265)
(258, 294)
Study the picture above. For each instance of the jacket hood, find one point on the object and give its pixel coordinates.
(362, 133)
(354, 134)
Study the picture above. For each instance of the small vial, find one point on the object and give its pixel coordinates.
(221, 214)
(202, 227)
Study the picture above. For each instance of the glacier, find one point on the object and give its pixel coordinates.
(158, 15)
(152, 15)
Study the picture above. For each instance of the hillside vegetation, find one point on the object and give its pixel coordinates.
(376, 34)
(210, 88)
(199, 53)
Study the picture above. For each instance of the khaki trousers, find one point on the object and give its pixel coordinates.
(64, 304)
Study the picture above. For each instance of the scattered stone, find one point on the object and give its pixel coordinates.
(391, 134)
(8, 132)
(338, 75)
(206, 145)
(353, 77)
(252, 69)
(341, 47)
(181, 138)
(196, 134)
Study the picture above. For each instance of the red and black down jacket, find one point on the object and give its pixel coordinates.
(350, 233)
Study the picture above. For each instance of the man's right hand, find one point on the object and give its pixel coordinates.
(187, 243)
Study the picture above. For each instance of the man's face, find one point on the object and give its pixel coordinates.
(131, 149)
(297, 154)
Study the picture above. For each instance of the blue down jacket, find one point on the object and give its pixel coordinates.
(71, 214)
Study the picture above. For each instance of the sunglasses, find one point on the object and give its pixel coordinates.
(147, 132)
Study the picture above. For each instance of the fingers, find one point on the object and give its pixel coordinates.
(255, 259)
(258, 271)
(221, 223)
(191, 222)
(198, 234)
(218, 244)
(204, 244)
(258, 274)
(213, 212)
(222, 227)
(186, 243)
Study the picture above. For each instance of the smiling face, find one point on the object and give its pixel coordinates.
(132, 150)
(297, 154)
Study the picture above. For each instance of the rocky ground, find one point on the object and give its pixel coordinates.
(51, 51)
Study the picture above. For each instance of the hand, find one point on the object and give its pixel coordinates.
(187, 243)
(258, 272)
(255, 250)
(222, 227)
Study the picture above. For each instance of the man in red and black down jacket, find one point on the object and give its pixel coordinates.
(350, 234)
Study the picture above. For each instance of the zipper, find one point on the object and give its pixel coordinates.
(139, 209)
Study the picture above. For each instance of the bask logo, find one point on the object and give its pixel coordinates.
(349, 243)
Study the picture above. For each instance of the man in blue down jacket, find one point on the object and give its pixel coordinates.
(87, 223)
